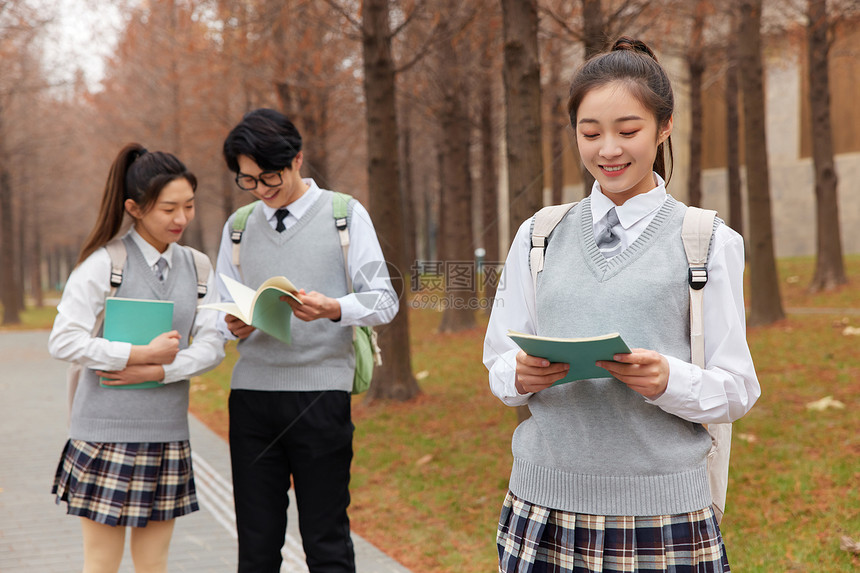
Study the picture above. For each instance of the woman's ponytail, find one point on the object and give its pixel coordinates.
(112, 208)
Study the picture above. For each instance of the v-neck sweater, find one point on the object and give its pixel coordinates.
(320, 355)
(158, 414)
(596, 446)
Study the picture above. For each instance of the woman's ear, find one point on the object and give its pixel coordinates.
(665, 132)
(297, 161)
(133, 209)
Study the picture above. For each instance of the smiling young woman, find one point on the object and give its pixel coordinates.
(610, 473)
(127, 463)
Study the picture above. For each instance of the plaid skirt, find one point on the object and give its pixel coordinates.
(126, 484)
(534, 539)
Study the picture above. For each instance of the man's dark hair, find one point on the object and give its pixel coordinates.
(267, 137)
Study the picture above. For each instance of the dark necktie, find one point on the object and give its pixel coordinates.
(280, 215)
(607, 239)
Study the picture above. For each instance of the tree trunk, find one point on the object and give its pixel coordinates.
(407, 189)
(557, 122)
(458, 312)
(594, 41)
(8, 264)
(829, 268)
(21, 249)
(521, 74)
(394, 379)
(300, 95)
(765, 301)
(733, 160)
(489, 238)
(696, 70)
(36, 261)
(8, 284)
(593, 32)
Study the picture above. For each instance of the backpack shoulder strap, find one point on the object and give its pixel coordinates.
(340, 211)
(117, 253)
(696, 234)
(202, 265)
(544, 222)
(240, 221)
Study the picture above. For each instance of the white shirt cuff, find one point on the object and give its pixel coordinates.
(679, 389)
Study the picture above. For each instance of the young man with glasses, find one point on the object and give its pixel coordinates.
(290, 404)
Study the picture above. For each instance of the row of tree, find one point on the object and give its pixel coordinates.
(404, 104)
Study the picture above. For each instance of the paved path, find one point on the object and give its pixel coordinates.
(36, 536)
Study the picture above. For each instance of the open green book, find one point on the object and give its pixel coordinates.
(261, 308)
(580, 353)
(137, 322)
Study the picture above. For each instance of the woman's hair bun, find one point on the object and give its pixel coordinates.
(628, 43)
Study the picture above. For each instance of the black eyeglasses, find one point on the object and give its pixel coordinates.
(267, 178)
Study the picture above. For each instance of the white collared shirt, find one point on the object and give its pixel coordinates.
(83, 301)
(721, 392)
(369, 307)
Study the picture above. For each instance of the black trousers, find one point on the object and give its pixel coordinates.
(306, 436)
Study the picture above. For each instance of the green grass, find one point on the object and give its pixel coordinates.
(429, 476)
(33, 318)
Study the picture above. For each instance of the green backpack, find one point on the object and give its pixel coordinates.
(367, 351)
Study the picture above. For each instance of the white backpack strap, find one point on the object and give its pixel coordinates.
(696, 234)
(545, 221)
(116, 251)
(203, 266)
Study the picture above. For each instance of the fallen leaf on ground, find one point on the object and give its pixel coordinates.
(748, 438)
(423, 460)
(422, 375)
(848, 544)
(851, 331)
(824, 403)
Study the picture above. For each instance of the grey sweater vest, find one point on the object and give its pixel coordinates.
(153, 414)
(308, 253)
(596, 446)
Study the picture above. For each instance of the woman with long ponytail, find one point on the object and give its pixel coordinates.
(127, 462)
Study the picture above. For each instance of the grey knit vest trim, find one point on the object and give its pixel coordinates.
(595, 446)
(308, 253)
(153, 414)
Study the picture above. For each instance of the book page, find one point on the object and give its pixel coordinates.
(242, 296)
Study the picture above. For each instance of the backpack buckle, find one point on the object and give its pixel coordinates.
(340, 223)
(697, 277)
(539, 242)
(236, 237)
(201, 290)
(115, 278)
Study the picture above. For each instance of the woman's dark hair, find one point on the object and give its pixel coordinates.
(632, 63)
(135, 174)
(267, 137)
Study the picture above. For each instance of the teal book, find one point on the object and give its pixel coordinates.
(261, 308)
(580, 353)
(137, 322)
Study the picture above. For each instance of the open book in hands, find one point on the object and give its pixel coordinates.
(261, 308)
(580, 353)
